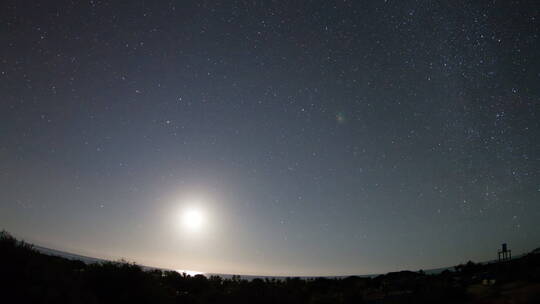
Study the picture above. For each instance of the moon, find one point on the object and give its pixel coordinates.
(193, 219)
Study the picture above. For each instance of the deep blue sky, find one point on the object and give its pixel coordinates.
(315, 137)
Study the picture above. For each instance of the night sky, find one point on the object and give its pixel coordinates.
(310, 137)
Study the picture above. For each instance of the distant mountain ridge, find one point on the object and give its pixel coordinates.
(67, 255)
(90, 260)
(83, 258)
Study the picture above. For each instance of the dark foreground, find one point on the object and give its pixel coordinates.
(27, 276)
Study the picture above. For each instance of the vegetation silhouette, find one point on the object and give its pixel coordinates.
(28, 276)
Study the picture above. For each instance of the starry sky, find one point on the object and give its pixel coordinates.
(318, 137)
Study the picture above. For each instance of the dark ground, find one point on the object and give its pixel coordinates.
(28, 276)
